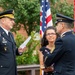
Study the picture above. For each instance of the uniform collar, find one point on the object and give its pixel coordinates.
(65, 32)
(4, 34)
(6, 31)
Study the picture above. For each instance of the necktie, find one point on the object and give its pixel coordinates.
(10, 36)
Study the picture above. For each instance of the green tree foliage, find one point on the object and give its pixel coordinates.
(62, 8)
(53, 1)
(26, 12)
(30, 56)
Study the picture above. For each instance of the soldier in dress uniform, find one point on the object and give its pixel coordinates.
(8, 49)
(63, 55)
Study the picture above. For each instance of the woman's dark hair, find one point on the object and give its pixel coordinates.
(44, 42)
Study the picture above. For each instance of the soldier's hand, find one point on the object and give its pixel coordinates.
(21, 50)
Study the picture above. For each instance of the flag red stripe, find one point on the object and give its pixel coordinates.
(40, 13)
(40, 23)
(40, 32)
(48, 19)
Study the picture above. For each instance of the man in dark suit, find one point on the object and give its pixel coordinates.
(63, 57)
(8, 49)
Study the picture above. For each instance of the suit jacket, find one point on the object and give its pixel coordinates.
(8, 51)
(63, 56)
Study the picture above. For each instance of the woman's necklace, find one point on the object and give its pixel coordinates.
(51, 48)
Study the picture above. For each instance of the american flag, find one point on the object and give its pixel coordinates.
(45, 16)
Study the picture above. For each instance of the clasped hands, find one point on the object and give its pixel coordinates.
(48, 69)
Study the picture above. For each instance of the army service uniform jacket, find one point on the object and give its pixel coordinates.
(8, 51)
(63, 57)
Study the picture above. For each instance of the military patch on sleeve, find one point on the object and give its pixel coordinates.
(4, 40)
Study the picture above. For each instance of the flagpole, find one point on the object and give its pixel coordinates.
(74, 15)
(45, 20)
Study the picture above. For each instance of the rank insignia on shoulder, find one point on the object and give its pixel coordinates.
(3, 40)
(62, 36)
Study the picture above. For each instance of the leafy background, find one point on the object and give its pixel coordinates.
(27, 13)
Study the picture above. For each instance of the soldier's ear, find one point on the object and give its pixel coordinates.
(3, 20)
(63, 25)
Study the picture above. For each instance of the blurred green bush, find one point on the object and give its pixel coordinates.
(30, 56)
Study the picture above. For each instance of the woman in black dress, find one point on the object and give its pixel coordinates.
(47, 46)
